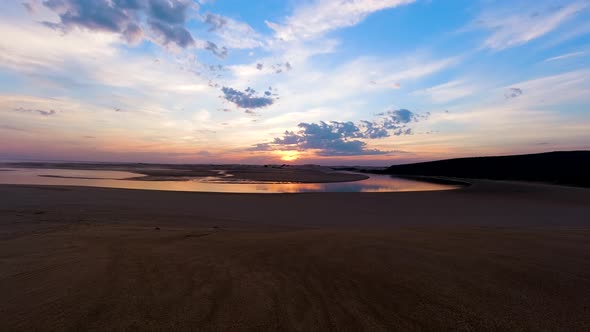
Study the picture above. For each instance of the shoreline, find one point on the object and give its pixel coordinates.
(226, 182)
(433, 179)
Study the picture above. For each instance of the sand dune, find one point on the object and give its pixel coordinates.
(493, 256)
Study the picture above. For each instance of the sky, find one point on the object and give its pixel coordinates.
(332, 82)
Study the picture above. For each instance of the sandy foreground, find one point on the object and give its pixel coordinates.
(493, 256)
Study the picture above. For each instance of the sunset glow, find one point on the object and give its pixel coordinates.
(289, 155)
(329, 82)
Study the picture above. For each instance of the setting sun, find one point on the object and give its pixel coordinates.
(289, 155)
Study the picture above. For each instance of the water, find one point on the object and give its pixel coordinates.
(223, 183)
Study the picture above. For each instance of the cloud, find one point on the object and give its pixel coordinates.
(568, 87)
(246, 99)
(336, 138)
(565, 56)
(513, 93)
(30, 7)
(391, 74)
(510, 30)
(172, 34)
(215, 68)
(169, 11)
(276, 68)
(133, 34)
(280, 67)
(220, 52)
(12, 128)
(319, 17)
(166, 18)
(215, 22)
(449, 91)
(38, 111)
(232, 33)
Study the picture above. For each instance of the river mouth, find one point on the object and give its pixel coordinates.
(222, 183)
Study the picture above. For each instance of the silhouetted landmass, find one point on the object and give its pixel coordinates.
(560, 167)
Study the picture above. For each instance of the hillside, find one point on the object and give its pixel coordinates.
(560, 167)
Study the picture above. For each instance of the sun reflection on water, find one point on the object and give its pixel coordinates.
(223, 184)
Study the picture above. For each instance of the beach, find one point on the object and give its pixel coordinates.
(492, 256)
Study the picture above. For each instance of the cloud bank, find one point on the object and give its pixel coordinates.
(129, 18)
(336, 138)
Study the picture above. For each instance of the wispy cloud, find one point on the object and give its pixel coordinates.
(566, 56)
(352, 80)
(35, 111)
(415, 69)
(569, 87)
(314, 19)
(30, 7)
(510, 30)
(12, 128)
(233, 34)
(215, 21)
(449, 91)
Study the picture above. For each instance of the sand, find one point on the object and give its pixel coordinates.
(171, 172)
(493, 256)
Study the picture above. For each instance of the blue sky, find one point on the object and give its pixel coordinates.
(330, 82)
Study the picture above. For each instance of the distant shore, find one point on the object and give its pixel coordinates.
(558, 167)
(170, 172)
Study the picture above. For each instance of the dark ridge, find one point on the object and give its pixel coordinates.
(560, 167)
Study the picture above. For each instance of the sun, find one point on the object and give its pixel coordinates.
(289, 155)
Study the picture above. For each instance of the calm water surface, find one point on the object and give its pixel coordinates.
(118, 179)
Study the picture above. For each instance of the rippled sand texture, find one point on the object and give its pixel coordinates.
(494, 256)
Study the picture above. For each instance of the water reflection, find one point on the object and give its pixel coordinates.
(117, 179)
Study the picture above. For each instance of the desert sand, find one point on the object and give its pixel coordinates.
(492, 256)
